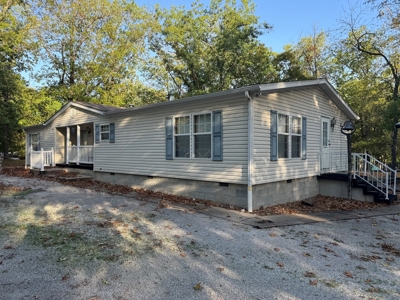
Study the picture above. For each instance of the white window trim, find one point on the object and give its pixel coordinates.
(290, 134)
(191, 135)
(100, 132)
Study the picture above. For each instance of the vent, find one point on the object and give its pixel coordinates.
(223, 184)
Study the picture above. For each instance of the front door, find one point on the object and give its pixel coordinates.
(325, 143)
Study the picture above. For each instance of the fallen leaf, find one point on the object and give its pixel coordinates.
(183, 254)
(65, 277)
(276, 249)
(220, 269)
(272, 234)
(313, 282)
(368, 280)
(8, 247)
(198, 287)
(348, 274)
(168, 227)
(306, 254)
(280, 264)
(309, 274)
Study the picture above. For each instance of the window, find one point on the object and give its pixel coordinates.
(283, 136)
(104, 132)
(296, 137)
(35, 142)
(182, 137)
(192, 136)
(289, 136)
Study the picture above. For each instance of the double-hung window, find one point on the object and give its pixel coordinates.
(288, 136)
(182, 136)
(296, 136)
(283, 136)
(104, 132)
(192, 135)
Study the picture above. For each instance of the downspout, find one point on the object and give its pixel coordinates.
(250, 150)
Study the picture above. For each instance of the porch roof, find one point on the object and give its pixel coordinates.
(96, 108)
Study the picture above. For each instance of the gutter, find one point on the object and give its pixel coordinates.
(250, 152)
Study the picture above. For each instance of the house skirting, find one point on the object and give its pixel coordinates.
(233, 194)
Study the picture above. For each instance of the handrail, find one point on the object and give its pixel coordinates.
(375, 173)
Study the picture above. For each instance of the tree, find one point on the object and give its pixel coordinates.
(306, 60)
(89, 50)
(208, 49)
(381, 42)
(11, 54)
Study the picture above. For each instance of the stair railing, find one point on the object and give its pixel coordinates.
(375, 173)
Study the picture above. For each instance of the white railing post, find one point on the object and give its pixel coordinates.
(354, 165)
(42, 160)
(30, 157)
(394, 182)
(365, 163)
(53, 161)
(387, 185)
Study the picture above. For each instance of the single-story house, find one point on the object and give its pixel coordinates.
(253, 146)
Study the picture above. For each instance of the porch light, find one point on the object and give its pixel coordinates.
(333, 123)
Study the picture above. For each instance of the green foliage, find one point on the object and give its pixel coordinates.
(208, 49)
(89, 49)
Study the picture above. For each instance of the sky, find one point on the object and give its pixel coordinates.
(292, 19)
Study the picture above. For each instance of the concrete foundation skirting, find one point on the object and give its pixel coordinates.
(267, 194)
(339, 189)
(281, 192)
(233, 194)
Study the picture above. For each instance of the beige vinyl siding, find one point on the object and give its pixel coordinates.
(53, 135)
(139, 146)
(310, 103)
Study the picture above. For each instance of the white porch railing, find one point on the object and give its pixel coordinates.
(337, 163)
(375, 173)
(41, 159)
(80, 154)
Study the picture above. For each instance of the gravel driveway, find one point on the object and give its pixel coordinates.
(61, 242)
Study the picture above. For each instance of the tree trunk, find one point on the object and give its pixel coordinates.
(5, 141)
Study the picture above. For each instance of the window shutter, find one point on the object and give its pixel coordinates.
(38, 141)
(169, 139)
(112, 132)
(304, 138)
(217, 135)
(274, 135)
(97, 133)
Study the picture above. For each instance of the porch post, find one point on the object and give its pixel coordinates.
(68, 138)
(78, 143)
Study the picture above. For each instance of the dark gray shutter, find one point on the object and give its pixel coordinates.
(304, 138)
(169, 146)
(112, 132)
(274, 136)
(97, 133)
(217, 135)
(38, 142)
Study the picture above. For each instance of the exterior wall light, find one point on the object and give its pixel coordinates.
(333, 123)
